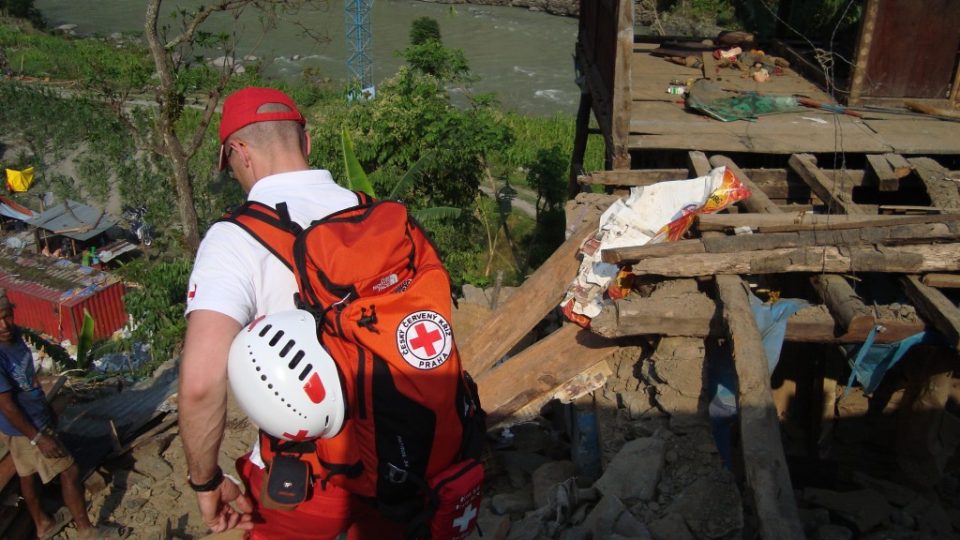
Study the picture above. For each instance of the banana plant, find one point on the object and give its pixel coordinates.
(85, 341)
(357, 180)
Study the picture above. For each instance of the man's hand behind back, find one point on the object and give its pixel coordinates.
(217, 511)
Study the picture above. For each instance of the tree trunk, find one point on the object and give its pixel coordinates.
(169, 111)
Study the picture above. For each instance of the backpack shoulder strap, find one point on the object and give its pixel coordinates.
(272, 227)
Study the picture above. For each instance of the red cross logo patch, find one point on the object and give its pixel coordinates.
(424, 339)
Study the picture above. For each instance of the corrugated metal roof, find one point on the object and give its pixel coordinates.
(10, 209)
(73, 220)
(51, 278)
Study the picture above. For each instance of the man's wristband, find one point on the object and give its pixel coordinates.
(210, 485)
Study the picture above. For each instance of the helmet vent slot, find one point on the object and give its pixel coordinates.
(276, 338)
(286, 348)
(296, 359)
(265, 329)
(305, 372)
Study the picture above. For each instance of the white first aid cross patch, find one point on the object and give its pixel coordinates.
(424, 339)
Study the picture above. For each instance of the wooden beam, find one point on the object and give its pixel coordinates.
(830, 259)
(634, 177)
(868, 24)
(942, 281)
(886, 179)
(848, 310)
(758, 200)
(935, 307)
(942, 191)
(901, 167)
(832, 194)
(581, 132)
(806, 221)
(622, 98)
(766, 466)
(539, 370)
(924, 233)
(638, 316)
(540, 293)
(698, 164)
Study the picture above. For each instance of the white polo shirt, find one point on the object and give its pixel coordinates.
(234, 274)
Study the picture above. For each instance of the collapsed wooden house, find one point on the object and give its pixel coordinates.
(857, 215)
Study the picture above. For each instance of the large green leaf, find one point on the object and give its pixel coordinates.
(436, 213)
(85, 341)
(416, 170)
(356, 179)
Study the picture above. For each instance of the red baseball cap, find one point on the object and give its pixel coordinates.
(240, 110)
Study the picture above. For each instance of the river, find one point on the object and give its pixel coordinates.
(525, 57)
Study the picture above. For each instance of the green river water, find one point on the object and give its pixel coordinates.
(525, 57)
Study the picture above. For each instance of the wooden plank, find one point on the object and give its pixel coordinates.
(698, 164)
(830, 192)
(804, 221)
(942, 191)
(901, 167)
(830, 259)
(758, 200)
(589, 380)
(634, 177)
(638, 316)
(848, 310)
(912, 135)
(768, 476)
(539, 370)
(883, 173)
(935, 307)
(942, 281)
(887, 236)
(540, 293)
(622, 100)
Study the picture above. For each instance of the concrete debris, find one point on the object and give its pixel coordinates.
(511, 503)
(546, 478)
(611, 517)
(635, 471)
(865, 509)
(833, 532)
(670, 527)
(710, 506)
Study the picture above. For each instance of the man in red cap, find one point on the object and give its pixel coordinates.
(235, 280)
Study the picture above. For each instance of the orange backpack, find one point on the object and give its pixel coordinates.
(382, 300)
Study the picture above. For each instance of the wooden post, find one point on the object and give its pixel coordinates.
(868, 24)
(698, 163)
(942, 281)
(935, 307)
(579, 142)
(758, 200)
(848, 310)
(622, 97)
(766, 465)
(883, 173)
(901, 167)
(830, 193)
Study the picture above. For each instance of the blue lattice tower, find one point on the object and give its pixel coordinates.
(357, 15)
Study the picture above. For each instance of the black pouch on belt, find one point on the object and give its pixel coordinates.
(288, 481)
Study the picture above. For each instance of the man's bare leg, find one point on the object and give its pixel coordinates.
(74, 497)
(41, 520)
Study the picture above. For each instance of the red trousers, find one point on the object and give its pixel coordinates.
(329, 512)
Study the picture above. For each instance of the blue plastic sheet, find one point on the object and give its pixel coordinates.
(869, 361)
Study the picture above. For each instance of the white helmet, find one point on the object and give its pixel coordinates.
(284, 379)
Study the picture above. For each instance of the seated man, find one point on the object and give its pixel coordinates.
(26, 426)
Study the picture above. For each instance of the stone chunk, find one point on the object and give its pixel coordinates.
(710, 506)
(864, 509)
(670, 527)
(634, 471)
(610, 517)
(547, 476)
(511, 503)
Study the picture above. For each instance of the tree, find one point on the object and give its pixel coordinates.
(170, 54)
(423, 29)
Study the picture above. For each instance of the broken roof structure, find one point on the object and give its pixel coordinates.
(74, 220)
